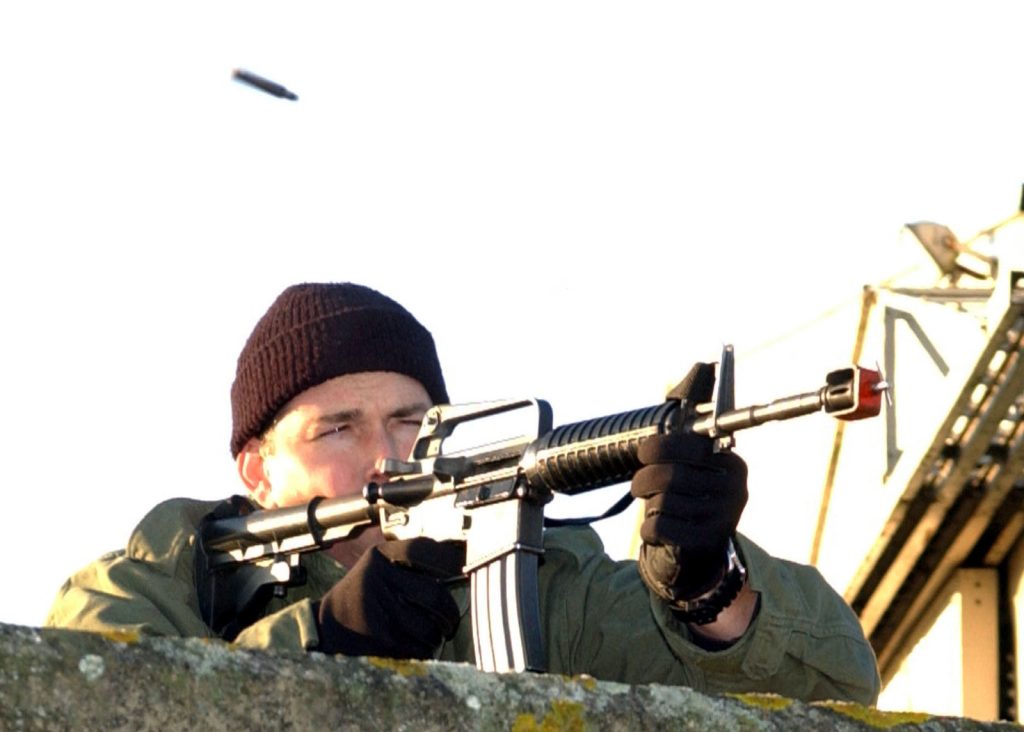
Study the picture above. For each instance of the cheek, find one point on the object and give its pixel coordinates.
(289, 484)
(293, 479)
(327, 469)
(337, 478)
(405, 440)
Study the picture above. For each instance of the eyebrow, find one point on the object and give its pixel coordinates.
(348, 415)
(410, 409)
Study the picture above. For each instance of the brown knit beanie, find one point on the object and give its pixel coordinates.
(314, 332)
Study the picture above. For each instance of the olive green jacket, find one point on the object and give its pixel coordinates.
(598, 617)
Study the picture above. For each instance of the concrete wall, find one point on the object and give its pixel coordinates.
(62, 680)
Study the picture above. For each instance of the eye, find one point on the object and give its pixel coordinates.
(405, 427)
(338, 429)
(410, 422)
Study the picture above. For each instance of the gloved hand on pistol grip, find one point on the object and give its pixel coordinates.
(694, 499)
(392, 603)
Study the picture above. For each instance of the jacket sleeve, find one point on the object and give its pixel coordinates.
(805, 642)
(148, 589)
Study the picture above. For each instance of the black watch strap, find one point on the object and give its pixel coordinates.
(705, 608)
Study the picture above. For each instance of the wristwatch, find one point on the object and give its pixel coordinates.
(703, 609)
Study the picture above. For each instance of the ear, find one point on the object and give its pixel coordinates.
(252, 470)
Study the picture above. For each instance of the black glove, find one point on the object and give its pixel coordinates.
(694, 500)
(392, 603)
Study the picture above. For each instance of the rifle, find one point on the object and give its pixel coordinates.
(491, 497)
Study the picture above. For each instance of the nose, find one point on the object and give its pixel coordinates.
(383, 446)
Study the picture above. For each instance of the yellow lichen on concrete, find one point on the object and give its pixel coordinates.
(586, 681)
(564, 716)
(119, 635)
(401, 667)
(524, 723)
(772, 702)
(876, 717)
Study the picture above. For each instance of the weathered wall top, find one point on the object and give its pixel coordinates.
(60, 680)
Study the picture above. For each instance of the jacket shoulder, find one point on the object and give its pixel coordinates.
(168, 531)
(577, 543)
(796, 591)
(147, 587)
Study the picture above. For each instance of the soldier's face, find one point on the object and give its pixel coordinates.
(328, 439)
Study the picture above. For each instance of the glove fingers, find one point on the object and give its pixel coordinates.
(678, 447)
(430, 610)
(691, 481)
(699, 511)
(675, 447)
(702, 538)
(439, 559)
(420, 563)
(382, 608)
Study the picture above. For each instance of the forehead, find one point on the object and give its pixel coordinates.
(372, 391)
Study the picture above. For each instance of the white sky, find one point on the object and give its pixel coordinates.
(578, 199)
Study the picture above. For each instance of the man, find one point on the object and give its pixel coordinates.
(337, 376)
